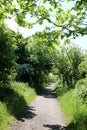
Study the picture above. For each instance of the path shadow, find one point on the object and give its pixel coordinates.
(55, 127)
(27, 113)
(48, 92)
(16, 104)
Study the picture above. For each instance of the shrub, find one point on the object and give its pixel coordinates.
(60, 89)
(81, 89)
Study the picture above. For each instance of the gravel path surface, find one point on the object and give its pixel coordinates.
(43, 114)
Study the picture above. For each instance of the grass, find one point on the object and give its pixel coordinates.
(5, 117)
(21, 95)
(74, 109)
(67, 106)
(24, 90)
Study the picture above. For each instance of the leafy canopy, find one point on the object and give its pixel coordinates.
(71, 21)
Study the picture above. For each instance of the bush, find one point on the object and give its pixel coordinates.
(81, 89)
(60, 89)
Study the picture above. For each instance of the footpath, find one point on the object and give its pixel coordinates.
(43, 114)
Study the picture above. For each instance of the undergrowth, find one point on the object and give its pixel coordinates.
(19, 97)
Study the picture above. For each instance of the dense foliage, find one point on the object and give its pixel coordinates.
(73, 101)
(68, 22)
(71, 21)
(34, 60)
(81, 87)
(67, 63)
(7, 57)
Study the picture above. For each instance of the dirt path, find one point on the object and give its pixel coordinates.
(43, 114)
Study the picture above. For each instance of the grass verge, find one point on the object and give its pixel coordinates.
(74, 109)
(20, 96)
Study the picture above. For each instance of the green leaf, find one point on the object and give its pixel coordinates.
(67, 41)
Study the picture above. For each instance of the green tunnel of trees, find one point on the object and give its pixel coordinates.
(31, 59)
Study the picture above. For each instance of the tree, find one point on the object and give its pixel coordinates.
(23, 65)
(64, 24)
(7, 56)
(70, 22)
(35, 58)
(68, 60)
(75, 55)
(83, 66)
(21, 51)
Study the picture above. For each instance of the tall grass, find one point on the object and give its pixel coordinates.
(24, 90)
(5, 117)
(74, 109)
(21, 95)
